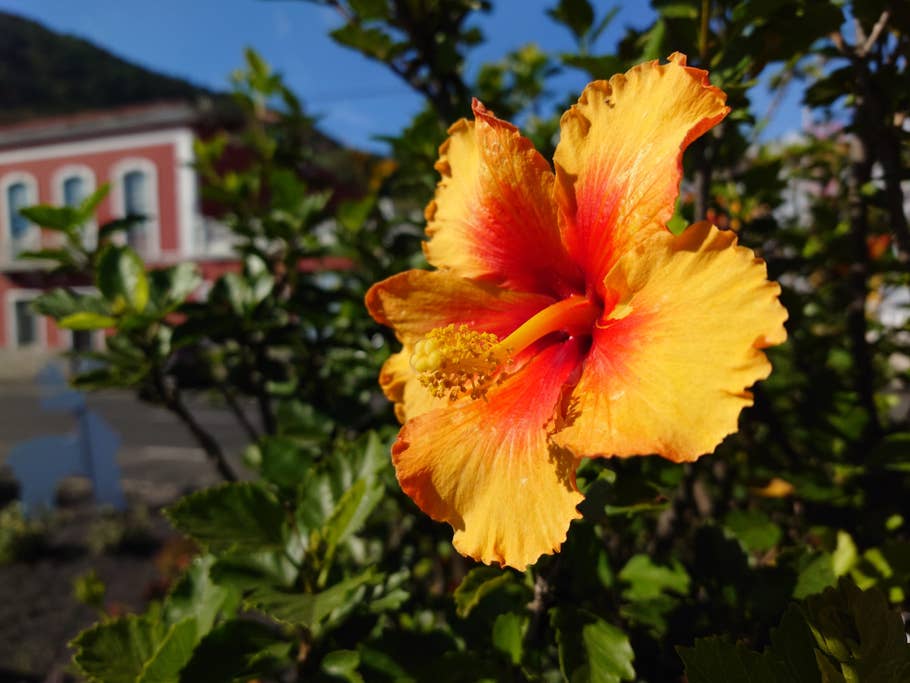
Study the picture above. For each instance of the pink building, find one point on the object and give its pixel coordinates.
(146, 154)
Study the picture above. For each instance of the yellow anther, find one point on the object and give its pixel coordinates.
(455, 360)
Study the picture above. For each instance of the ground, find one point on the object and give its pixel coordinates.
(133, 553)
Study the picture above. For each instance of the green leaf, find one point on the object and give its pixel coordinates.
(590, 649)
(121, 278)
(87, 321)
(508, 635)
(134, 648)
(170, 287)
(90, 204)
(241, 517)
(310, 609)
(351, 512)
(815, 574)
(372, 42)
(237, 649)
(648, 580)
(283, 460)
(478, 583)
(754, 529)
(60, 218)
(196, 595)
(172, 655)
(343, 664)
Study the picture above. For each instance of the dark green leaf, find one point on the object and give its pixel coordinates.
(717, 660)
(858, 634)
(62, 218)
(576, 15)
(236, 649)
(310, 609)
(343, 664)
(478, 583)
(241, 517)
(133, 649)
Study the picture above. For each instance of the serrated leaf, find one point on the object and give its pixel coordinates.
(858, 634)
(239, 517)
(716, 660)
(134, 648)
(172, 655)
(590, 649)
(478, 583)
(196, 595)
(310, 609)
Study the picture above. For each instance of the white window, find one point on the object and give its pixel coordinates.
(73, 184)
(136, 193)
(18, 191)
(25, 328)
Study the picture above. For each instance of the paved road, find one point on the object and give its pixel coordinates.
(158, 458)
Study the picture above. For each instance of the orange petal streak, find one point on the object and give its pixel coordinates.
(488, 468)
(493, 217)
(669, 372)
(619, 158)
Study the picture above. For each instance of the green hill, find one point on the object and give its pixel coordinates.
(45, 73)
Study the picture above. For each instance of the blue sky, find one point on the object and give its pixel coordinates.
(355, 99)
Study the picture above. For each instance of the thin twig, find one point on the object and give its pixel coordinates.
(874, 35)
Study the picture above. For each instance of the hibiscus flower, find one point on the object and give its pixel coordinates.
(564, 320)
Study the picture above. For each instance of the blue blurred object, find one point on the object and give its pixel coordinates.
(40, 463)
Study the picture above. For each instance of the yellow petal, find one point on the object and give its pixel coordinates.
(400, 385)
(668, 372)
(488, 468)
(417, 301)
(619, 158)
(493, 217)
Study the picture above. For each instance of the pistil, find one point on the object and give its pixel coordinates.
(455, 360)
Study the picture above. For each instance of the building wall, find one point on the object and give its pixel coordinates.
(166, 155)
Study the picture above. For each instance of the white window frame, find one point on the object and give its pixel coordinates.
(64, 173)
(14, 296)
(152, 224)
(32, 240)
